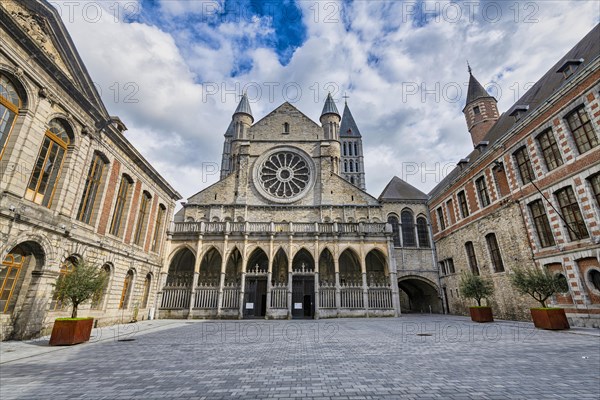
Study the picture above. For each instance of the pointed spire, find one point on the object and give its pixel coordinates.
(476, 90)
(348, 126)
(244, 106)
(469, 68)
(329, 107)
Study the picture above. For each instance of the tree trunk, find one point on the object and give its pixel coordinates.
(74, 313)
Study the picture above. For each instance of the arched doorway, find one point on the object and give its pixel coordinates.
(326, 269)
(303, 285)
(280, 268)
(419, 295)
(255, 288)
(13, 272)
(233, 270)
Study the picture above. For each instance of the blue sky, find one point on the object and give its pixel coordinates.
(403, 64)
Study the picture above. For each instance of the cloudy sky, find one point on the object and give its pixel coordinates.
(173, 69)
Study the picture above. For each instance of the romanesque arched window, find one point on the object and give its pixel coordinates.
(126, 291)
(408, 229)
(147, 285)
(393, 221)
(92, 191)
(10, 102)
(47, 168)
(423, 232)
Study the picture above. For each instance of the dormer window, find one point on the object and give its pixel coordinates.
(519, 111)
(569, 67)
(476, 110)
(286, 128)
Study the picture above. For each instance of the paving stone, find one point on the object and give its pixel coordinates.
(364, 359)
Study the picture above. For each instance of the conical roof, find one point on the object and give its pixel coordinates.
(348, 125)
(476, 90)
(329, 107)
(244, 106)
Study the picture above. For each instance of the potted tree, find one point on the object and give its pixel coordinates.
(540, 284)
(74, 288)
(477, 288)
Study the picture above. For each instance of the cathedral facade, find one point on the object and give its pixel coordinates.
(289, 232)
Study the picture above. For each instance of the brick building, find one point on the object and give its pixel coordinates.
(528, 194)
(71, 184)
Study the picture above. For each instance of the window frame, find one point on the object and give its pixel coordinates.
(571, 213)
(550, 151)
(10, 108)
(584, 129)
(482, 192)
(423, 233)
(472, 257)
(524, 165)
(158, 226)
(495, 254)
(117, 223)
(409, 238)
(93, 186)
(462, 203)
(541, 223)
(142, 219)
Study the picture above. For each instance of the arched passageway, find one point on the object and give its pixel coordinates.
(210, 268)
(418, 295)
(181, 269)
(350, 273)
(233, 270)
(326, 269)
(20, 260)
(376, 265)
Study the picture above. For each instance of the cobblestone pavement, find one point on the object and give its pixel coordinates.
(412, 357)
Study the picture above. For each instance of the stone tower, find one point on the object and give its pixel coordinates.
(330, 122)
(481, 110)
(352, 160)
(241, 121)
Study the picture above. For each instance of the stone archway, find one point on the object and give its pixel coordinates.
(181, 268)
(419, 295)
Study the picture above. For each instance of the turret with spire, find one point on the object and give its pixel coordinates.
(241, 121)
(481, 110)
(352, 160)
(330, 119)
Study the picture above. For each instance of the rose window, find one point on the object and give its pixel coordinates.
(284, 175)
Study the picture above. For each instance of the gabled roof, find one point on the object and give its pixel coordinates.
(588, 49)
(244, 107)
(399, 190)
(286, 106)
(476, 90)
(329, 107)
(348, 125)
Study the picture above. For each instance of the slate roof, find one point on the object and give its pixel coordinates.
(399, 190)
(244, 106)
(348, 126)
(588, 49)
(476, 90)
(329, 107)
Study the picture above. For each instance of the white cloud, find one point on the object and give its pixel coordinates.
(370, 49)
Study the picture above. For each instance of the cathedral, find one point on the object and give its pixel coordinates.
(290, 232)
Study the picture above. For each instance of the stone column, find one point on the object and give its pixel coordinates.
(162, 280)
(393, 278)
(222, 280)
(193, 287)
(290, 287)
(316, 260)
(269, 276)
(363, 269)
(243, 282)
(338, 295)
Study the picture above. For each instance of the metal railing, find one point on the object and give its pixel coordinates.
(280, 227)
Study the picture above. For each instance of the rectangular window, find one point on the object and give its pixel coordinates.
(495, 252)
(158, 228)
(472, 258)
(46, 171)
(90, 191)
(462, 202)
(572, 214)
(450, 264)
(482, 192)
(581, 128)
(476, 110)
(450, 208)
(524, 165)
(550, 150)
(542, 225)
(117, 223)
(440, 214)
(595, 183)
(142, 219)
(443, 268)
